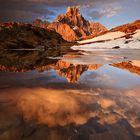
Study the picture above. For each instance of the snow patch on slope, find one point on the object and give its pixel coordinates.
(137, 34)
(106, 36)
(131, 43)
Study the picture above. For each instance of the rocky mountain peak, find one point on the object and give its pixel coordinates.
(40, 23)
(72, 25)
(72, 17)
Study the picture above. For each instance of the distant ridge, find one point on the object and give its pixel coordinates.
(128, 28)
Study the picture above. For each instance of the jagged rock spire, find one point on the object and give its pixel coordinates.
(73, 10)
(73, 17)
(73, 26)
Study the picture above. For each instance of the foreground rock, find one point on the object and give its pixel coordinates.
(25, 36)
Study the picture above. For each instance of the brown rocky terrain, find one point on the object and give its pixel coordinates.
(40, 23)
(128, 28)
(25, 36)
(72, 25)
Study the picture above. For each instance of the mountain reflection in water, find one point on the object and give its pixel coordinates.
(61, 100)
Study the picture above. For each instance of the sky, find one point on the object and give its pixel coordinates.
(110, 13)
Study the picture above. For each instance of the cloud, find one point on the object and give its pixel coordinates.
(111, 11)
(28, 10)
(64, 107)
(54, 107)
(105, 9)
(14, 10)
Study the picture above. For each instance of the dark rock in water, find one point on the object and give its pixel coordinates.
(116, 47)
(126, 42)
(125, 57)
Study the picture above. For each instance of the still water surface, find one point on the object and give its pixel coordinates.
(75, 96)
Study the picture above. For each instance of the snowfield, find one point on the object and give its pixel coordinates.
(121, 42)
(107, 36)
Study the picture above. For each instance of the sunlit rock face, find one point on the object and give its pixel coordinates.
(80, 27)
(72, 25)
(128, 28)
(40, 23)
(64, 29)
(72, 17)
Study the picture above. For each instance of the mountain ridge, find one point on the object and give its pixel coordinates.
(73, 26)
